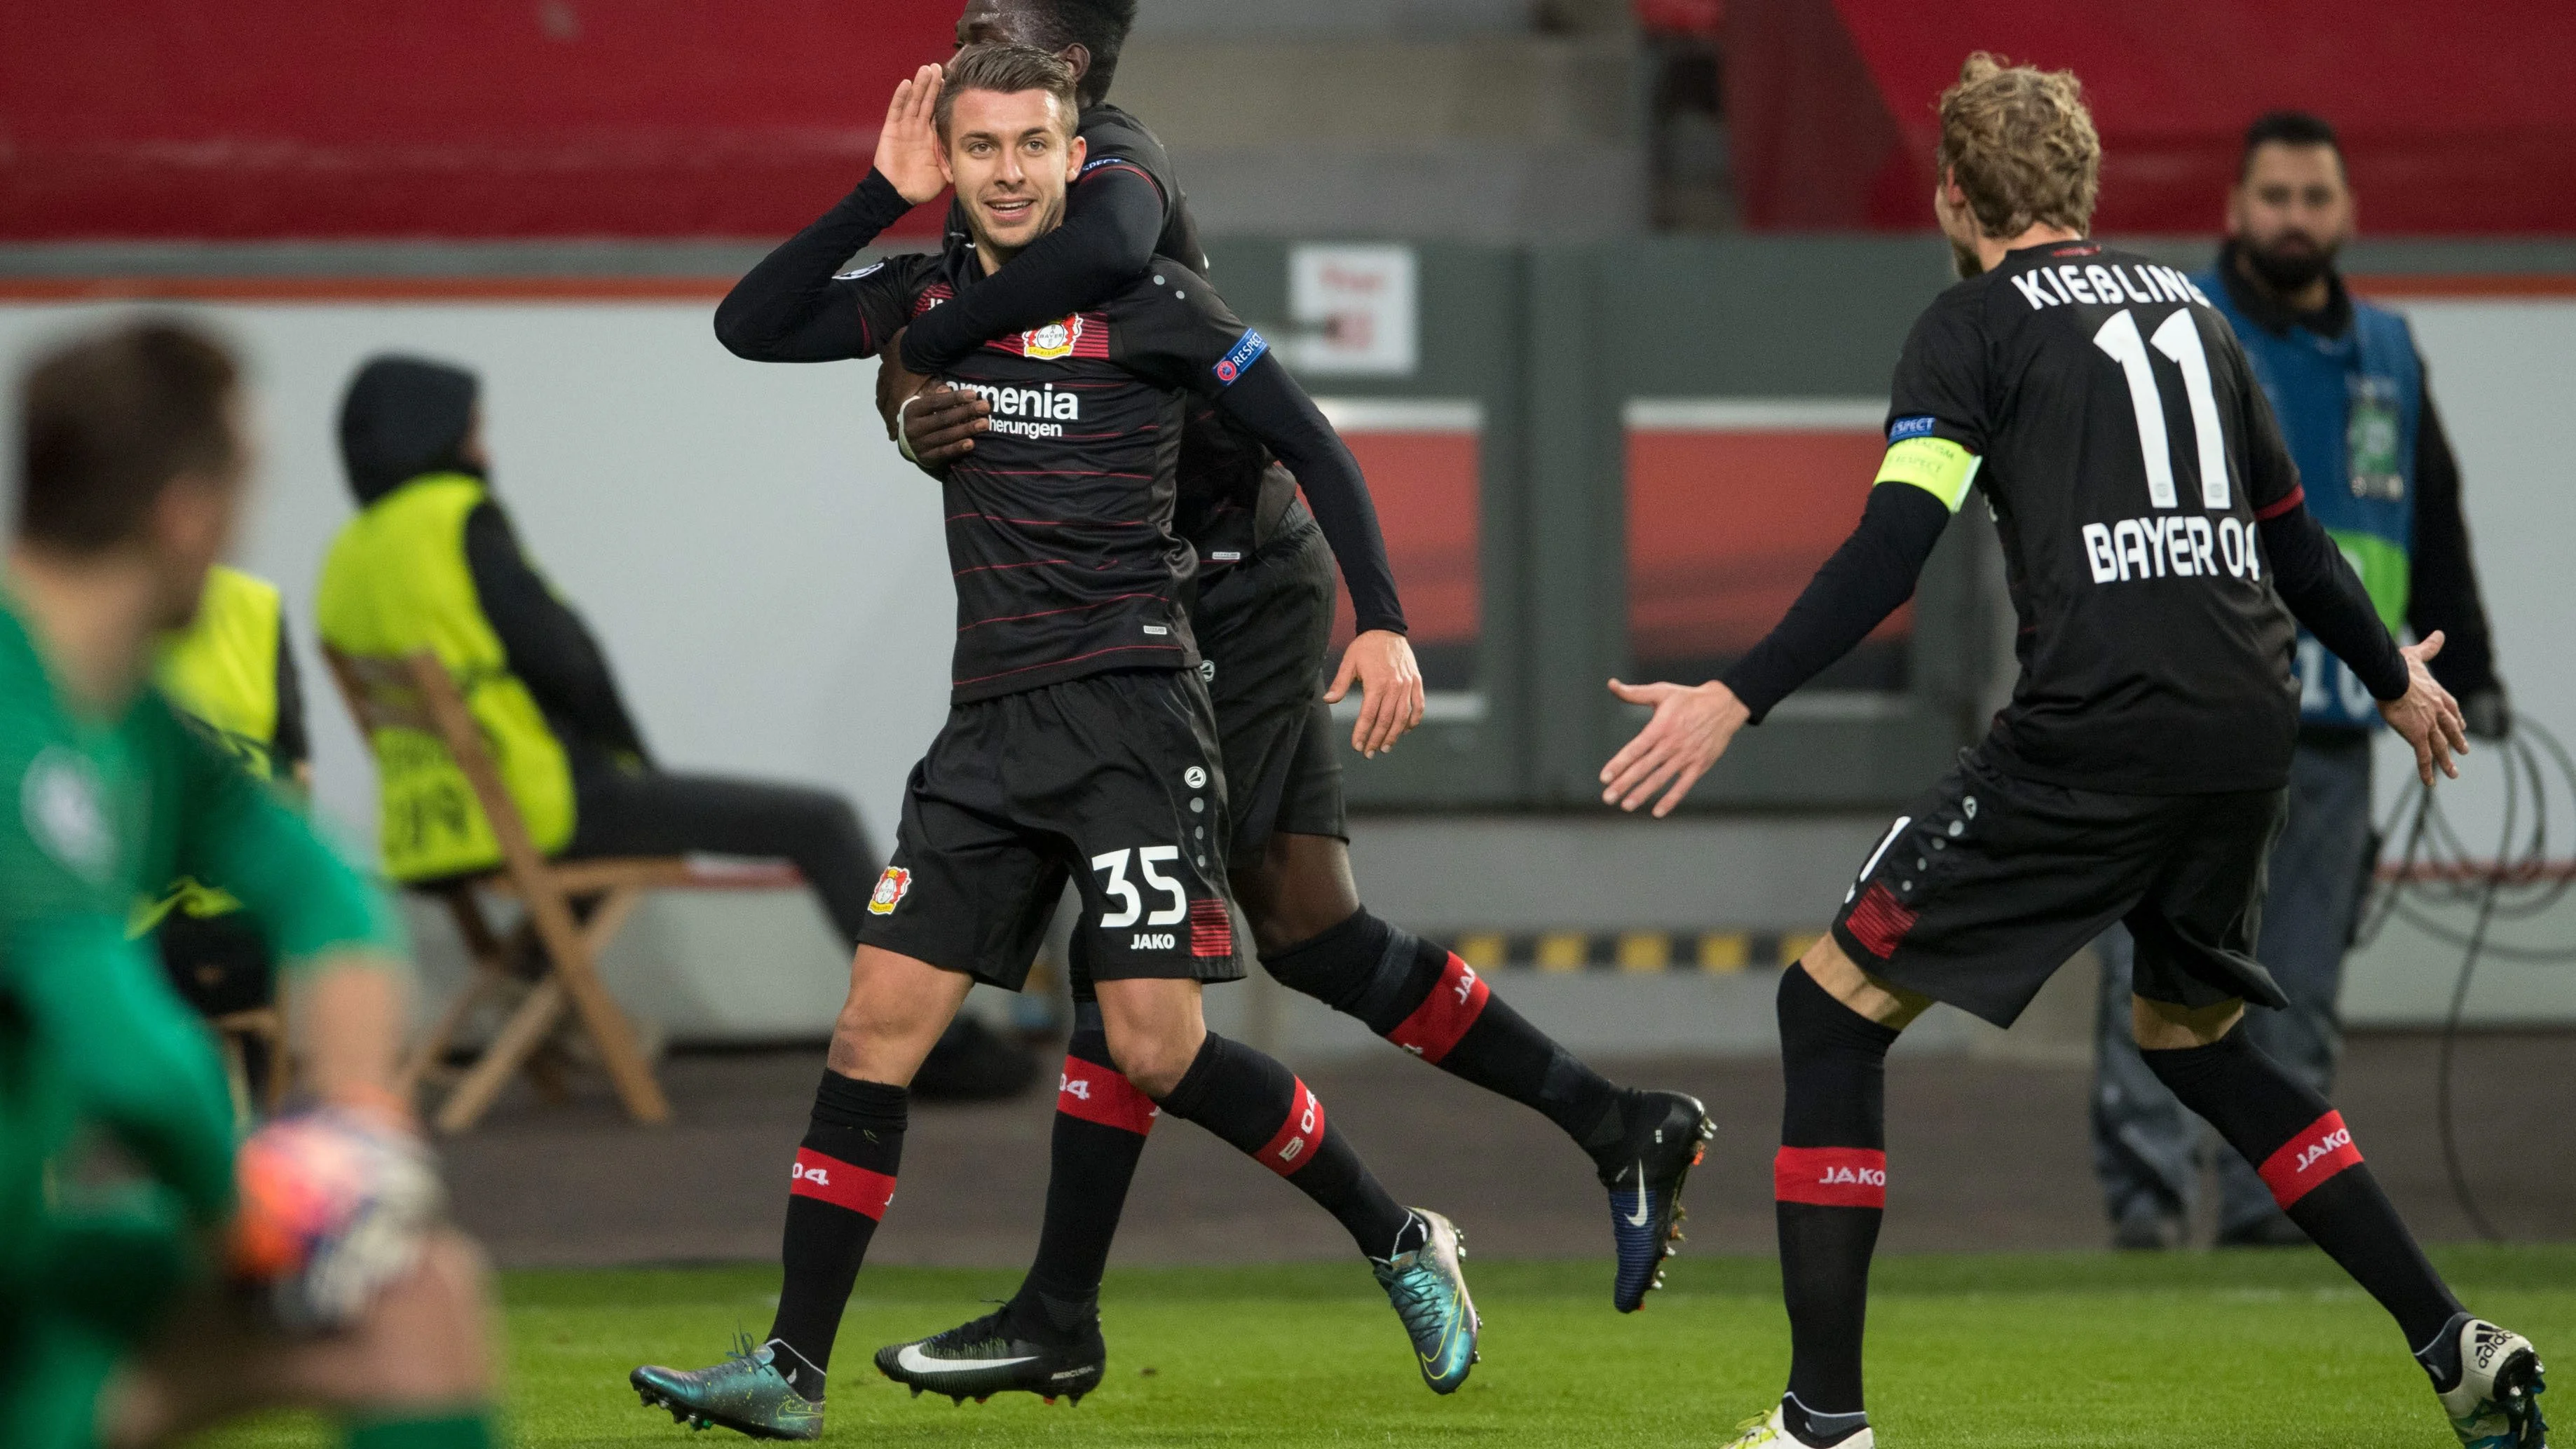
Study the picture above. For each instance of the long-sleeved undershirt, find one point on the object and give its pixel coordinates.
(792, 308)
(1268, 401)
(1865, 580)
(2309, 573)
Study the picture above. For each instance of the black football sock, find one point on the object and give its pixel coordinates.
(1100, 1126)
(1819, 1430)
(1426, 1000)
(1255, 1103)
(1830, 1186)
(839, 1188)
(2441, 1357)
(2303, 1152)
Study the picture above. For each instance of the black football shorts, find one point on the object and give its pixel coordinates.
(1112, 779)
(1991, 882)
(1264, 625)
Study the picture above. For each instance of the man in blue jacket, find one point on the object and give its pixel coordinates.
(2350, 391)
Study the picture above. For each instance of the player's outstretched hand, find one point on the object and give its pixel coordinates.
(908, 147)
(2426, 715)
(1381, 663)
(1691, 728)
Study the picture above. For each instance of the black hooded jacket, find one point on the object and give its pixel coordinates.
(407, 416)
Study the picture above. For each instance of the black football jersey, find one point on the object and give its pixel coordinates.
(2127, 455)
(1223, 467)
(1059, 524)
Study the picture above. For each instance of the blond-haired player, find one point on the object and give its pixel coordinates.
(2158, 553)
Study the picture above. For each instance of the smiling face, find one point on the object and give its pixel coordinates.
(1011, 155)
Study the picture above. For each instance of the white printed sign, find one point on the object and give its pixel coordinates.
(1354, 311)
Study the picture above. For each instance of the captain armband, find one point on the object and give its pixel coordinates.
(1936, 465)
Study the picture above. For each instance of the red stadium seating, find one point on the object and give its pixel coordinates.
(271, 119)
(2457, 118)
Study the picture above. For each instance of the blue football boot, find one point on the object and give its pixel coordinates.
(746, 1393)
(1667, 1135)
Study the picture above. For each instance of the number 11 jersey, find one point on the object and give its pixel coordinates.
(2127, 456)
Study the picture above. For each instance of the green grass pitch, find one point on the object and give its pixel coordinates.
(2249, 1348)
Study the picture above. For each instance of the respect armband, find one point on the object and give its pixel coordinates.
(1936, 465)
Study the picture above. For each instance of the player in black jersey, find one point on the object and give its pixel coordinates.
(1264, 620)
(2157, 551)
(1079, 741)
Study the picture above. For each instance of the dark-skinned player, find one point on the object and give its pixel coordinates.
(1264, 620)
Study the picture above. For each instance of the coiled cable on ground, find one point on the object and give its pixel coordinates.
(2435, 873)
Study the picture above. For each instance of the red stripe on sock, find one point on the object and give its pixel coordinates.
(1444, 1015)
(1830, 1176)
(1878, 922)
(840, 1183)
(1293, 1146)
(1211, 928)
(2305, 1162)
(1100, 1094)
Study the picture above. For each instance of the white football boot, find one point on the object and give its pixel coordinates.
(2496, 1403)
(1770, 1431)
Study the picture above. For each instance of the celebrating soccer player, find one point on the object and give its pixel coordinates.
(1263, 622)
(132, 467)
(2158, 554)
(1080, 740)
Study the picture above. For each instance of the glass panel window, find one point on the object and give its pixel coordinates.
(1732, 504)
(1421, 457)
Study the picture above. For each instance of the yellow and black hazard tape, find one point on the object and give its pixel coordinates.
(1720, 952)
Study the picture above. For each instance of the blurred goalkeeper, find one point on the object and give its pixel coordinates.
(124, 1321)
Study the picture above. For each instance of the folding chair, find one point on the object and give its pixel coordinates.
(414, 692)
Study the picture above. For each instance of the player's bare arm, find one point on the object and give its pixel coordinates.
(350, 1024)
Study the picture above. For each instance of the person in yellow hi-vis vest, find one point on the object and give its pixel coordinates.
(232, 677)
(431, 561)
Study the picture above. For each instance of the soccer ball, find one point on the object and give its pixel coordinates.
(333, 1207)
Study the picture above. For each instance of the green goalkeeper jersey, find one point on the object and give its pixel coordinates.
(99, 811)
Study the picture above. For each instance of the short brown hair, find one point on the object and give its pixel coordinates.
(1008, 69)
(107, 420)
(2022, 146)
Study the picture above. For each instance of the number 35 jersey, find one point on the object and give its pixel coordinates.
(2127, 456)
(1059, 522)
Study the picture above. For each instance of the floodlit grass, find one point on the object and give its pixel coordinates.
(2250, 1348)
